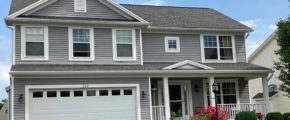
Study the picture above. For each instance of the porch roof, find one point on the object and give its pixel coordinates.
(145, 66)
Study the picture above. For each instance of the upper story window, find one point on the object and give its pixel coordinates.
(80, 5)
(218, 48)
(124, 45)
(172, 44)
(81, 44)
(34, 43)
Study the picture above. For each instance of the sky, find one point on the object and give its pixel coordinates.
(260, 15)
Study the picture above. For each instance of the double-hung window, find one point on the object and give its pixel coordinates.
(227, 94)
(172, 44)
(218, 48)
(124, 45)
(34, 43)
(81, 44)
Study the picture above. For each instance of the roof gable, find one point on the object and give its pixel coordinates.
(65, 8)
(103, 9)
(188, 65)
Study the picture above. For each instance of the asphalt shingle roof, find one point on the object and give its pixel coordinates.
(185, 17)
(164, 16)
(261, 95)
(146, 66)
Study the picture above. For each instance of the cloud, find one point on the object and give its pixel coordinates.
(153, 2)
(252, 45)
(252, 23)
(272, 27)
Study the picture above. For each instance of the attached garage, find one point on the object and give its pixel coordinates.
(84, 102)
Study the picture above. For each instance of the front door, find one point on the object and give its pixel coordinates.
(179, 93)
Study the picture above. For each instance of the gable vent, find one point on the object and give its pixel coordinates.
(80, 5)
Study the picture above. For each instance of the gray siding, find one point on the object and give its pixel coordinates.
(59, 53)
(240, 48)
(244, 91)
(20, 85)
(154, 48)
(65, 8)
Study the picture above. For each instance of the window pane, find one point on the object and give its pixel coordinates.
(34, 30)
(124, 36)
(128, 92)
(210, 53)
(176, 107)
(226, 53)
(91, 93)
(104, 93)
(78, 93)
(210, 41)
(172, 44)
(81, 49)
(65, 94)
(116, 92)
(229, 88)
(230, 99)
(34, 38)
(124, 50)
(175, 92)
(81, 35)
(51, 94)
(34, 49)
(37, 94)
(225, 41)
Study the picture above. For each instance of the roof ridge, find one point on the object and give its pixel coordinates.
(165, 6)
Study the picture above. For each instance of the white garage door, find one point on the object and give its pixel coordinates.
(83, 104)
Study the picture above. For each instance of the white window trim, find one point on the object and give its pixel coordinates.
(28, 88)
(23, 45)
(115, 57)
(236, 81)
(76, 9)
(92, 45)
(218, 50)
(166, 39)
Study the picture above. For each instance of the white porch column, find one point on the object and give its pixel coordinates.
(166, 98)
(266, 93)
(211, 93)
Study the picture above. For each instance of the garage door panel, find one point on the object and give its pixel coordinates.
(119, 107)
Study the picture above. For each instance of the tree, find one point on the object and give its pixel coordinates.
(283, 66)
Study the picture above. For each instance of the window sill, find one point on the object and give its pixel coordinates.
(34, 58)
(82, 59)
(219, 61)
(168, 51)
(124, 59)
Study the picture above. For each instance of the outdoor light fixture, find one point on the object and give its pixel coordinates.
(20, 99)
(215, 89)
(143, 94)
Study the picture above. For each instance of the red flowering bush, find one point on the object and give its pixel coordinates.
(209, 113)
(260, 115)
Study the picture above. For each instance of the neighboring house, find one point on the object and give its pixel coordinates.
(265, 56)
(4, 111)
(100, 60)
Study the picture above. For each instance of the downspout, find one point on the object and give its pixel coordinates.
(270, 76)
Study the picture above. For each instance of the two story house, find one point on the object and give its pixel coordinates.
(100, 60)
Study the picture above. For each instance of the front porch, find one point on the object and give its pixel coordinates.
(182, 97)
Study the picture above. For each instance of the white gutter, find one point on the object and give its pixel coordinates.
(144, 72)
(64, 21)
(198, 29)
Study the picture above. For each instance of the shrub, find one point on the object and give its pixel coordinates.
(201, 118)
(246, 115)
(286, 116)
(274, 116)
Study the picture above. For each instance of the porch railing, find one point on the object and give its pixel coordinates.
(158, 112)
(234, 109)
